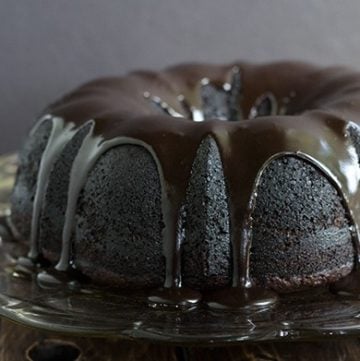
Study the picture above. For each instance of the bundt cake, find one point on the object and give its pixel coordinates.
(225, 181)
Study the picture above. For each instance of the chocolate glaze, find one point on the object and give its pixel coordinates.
(169, 113)
(61, 133)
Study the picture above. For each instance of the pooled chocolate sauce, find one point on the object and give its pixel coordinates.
(170, 113)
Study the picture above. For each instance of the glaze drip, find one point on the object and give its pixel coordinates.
(61, 133)
(127, 115)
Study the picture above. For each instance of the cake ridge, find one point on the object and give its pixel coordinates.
(60, 134)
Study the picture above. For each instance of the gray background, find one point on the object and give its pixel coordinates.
(48, 47)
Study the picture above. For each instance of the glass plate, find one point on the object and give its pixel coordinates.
(95, 311)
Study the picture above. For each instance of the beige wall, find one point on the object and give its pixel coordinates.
(48, 47)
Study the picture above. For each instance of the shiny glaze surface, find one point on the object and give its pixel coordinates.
(281, 109)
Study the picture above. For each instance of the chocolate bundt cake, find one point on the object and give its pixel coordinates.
(198, 178)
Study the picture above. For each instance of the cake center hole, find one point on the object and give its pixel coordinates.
(51, 350)
(221, 102)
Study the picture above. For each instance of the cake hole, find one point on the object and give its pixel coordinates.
(53, 350)
(220, 102)
(265, 105)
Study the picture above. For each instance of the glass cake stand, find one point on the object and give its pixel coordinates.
(94, 311)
